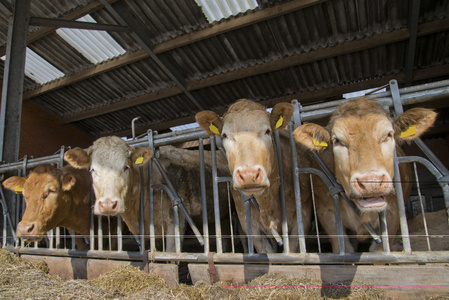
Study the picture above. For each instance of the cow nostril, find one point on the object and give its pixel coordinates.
(114, 205)
(30, 228)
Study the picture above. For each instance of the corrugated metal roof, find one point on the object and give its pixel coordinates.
(304, 53)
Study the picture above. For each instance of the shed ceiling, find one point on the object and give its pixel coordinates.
(178, 63)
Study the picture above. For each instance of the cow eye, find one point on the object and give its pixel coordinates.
(126, 168)
(389, 136)
(268, 132)
(224, 135)
(338, 142)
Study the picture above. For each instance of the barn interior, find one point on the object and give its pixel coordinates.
(76, 70)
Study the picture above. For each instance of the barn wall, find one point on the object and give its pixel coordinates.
(42, 135)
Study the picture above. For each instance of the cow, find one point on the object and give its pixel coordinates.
(246, 130)
(362, 137)
(54, 198)
(117, 185)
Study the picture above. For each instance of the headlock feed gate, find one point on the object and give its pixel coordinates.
(213, 244)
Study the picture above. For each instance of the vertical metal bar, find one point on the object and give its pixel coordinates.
(92, 220)
(141, 213)
(151, 192)
(315, 215)
(301, 235)
(119, 234)
(203, 197)
(177, 237)
(218, 235)
(231, 227)
(384, 231)
(249, 229)
(397, 103)
(282, 192)
(418, 188)
(401, 207)
(338, 224)
(100, 233)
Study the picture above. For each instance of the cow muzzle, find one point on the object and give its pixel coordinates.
(108, 207)
(369, 191)
(29, 231)
(250, 180)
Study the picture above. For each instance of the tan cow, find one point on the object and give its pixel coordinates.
(247, 134)
(54, 198)
(117, 184)
(362, 138)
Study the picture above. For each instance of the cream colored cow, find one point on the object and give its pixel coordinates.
(247, 134)
(362, 138)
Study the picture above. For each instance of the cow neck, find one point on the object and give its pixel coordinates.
(73, 221)
(132, 208)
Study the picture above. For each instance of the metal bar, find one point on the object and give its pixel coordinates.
(150, 144)
(36, 21)
(218, 235)
(384, 231)
(271, 258)
(141, 213)
(284, 240)
(301, 234)
(203, 197)
(401, 207)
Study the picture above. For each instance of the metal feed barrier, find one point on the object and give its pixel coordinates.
(60, 244)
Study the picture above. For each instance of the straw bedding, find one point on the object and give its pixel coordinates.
(20, 279)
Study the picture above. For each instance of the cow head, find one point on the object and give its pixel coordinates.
(246, 131)
(46, 204)
(112, 164)
(363, 138)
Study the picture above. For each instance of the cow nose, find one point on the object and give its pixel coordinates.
(371, 184)
(24, 228)
(108, 207)
(249, 176)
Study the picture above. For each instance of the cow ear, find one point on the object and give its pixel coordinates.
(413, 123)
(68, 181)
(312, 136)
(210, 122)
(15, 183)
(141, 155)
(281, 115)
(78, 158)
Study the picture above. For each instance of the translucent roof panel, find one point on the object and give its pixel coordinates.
(96, 46)
(184, 127)
(215, 10)
(38, 69)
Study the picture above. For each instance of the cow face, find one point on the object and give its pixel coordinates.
(363, 139)
(246, 132)
(46, 204)
(111, 162)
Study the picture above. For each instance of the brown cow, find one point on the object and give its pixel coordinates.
(117, 184)
(362, 138)
(246, 131)
(54, 198)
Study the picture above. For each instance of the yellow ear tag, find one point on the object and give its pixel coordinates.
(18, 189)
(321, 144)
(139, 160)
(279, 122)
(409, 132)
(214, 129)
